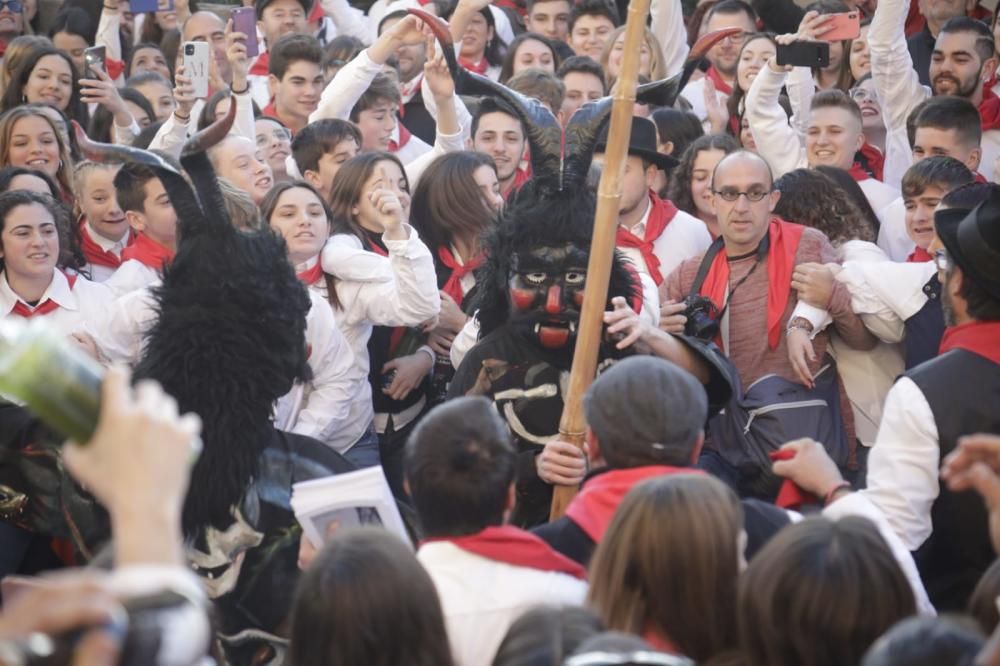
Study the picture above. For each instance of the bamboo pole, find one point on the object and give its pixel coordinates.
(572, 425)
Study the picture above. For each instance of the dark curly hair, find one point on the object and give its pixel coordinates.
(535, 222)
(680, 177)
(811, 198)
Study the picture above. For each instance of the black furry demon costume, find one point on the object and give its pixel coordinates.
(530, 290)
(229, 340)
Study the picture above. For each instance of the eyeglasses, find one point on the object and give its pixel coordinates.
(14, 6)
(942, 260)
(280, 133)
(862, 95)
(733, 195)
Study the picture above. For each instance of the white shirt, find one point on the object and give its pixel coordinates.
(84, 302)
(898, 84)
(892, 237)
(694, 93)
(373, 290)
(685, 236)
(886, 294)
(904, 464)
(97, 272)
(332, 406)
(481, 598)
(879, 195)
(132, 275)
(172, 135)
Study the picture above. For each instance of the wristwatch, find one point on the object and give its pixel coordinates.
(799, 322)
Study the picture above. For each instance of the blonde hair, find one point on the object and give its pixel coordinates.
(7, 121)
(243, 212)
(80, 174)
(657, 67)
(19, 49)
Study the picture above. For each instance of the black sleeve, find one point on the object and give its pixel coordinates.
(779, 16)
(465, 375)
(723, 380)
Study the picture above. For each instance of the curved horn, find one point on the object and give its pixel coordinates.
(544, 133)
(178, 189)
(214, 133)
(584, 126)
(199, 168)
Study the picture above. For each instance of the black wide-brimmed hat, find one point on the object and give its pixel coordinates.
(973, 241)
(641, 143)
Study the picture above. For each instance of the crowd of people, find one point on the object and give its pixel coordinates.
(367, 246)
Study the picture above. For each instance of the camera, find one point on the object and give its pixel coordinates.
(189, 49)
(702, 318)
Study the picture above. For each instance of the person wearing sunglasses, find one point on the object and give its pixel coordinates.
(747, 274)
(11, 20)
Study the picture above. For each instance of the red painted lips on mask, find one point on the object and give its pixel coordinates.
(553, 337)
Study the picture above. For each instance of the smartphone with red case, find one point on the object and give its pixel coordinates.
(846, 25)
(245, 21)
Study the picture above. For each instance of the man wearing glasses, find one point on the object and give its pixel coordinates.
(749, 281)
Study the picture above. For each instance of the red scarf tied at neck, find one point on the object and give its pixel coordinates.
(477, 67)
(453, 287)
(720, 84)
(21, 309)
(989, 110)
(919, 256)
(660, 215)
(97, 255)
(594, 506)
(514, 546)
(979, 337)
(311, 276)
(148, 252)
(784, 243)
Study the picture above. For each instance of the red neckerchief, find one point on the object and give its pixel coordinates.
(660, 215)
(989, 110)
(404, 138)
(453, 286)
(148, 252)
(97, 255)
(594, 506)
(875, 159)
(271, 110)
(477, 67)
(521, 176)
(919, 256)
(979, 337)
(261, 64)
(22, 309)
(316, 13)
(114, 68)
(311, 276)
(506, 4)
(980, 178)
(510, 545)
(399, 331)
(720, 85)
(407, 92)
(784, 243)
(858, 172)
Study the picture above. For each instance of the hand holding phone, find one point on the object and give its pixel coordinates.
(96, 58)
(196, 66)
(245, 21)
(803, 54)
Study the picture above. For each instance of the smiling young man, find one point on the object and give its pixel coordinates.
(584, 82)
(11, 21)
(410, 58)
(322, 147)
(549, 18)
(589, 27)
(962, 62)
(499, 133)
(924, 186)
(295, 81)
(275, 19)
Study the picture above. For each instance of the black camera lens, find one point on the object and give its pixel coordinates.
(189, 49)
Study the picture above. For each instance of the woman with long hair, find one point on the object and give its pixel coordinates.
(366, 599)
(454, 207)
(32, 282)
(667, 567)
(651, 62)
(846, 591)
(756, 51)
(481, 49)
(148, 57)
(691, 180)
(73, 31)
(529, 50)
(812, 198)
(71, 255)
(29, 138)
(18, 50)
(47, 77)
